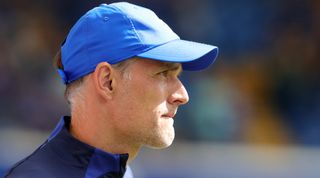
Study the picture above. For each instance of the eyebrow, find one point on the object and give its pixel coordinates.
(174, 67)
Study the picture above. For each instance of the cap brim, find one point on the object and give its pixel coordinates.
(192, 55)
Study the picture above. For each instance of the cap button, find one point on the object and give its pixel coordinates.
(105, 18)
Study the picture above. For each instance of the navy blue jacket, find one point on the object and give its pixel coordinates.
(63, 156)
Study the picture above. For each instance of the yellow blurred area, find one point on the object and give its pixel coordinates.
(254, 113)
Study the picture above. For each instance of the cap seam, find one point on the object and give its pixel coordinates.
(131, 24)
(135, 31)
(152, 47)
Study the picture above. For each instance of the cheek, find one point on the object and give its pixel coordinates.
(149, 95)
(142, 101)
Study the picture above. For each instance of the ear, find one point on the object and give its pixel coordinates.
(103, 78)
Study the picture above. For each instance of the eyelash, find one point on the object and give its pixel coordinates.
(164, 73)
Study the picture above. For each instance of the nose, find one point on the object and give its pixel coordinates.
(179, 96)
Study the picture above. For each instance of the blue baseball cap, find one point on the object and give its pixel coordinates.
(118, 31)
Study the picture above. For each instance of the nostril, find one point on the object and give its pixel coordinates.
(179, 98)
(179, 95)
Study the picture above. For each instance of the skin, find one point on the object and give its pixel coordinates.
(121, 114)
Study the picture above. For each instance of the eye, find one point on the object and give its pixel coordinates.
(164, 73)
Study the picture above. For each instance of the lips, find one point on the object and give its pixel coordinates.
(170, 114)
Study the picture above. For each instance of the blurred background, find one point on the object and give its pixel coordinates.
(254, 113)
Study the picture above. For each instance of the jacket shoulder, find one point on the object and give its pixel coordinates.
(43, 163)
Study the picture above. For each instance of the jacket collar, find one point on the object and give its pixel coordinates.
(98, 162)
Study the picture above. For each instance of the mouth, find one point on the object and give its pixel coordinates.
(169, 115)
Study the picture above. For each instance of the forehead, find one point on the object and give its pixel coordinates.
(157, 64)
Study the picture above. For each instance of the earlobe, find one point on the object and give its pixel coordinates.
(104, 80)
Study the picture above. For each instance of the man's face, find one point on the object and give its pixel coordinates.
(148, 96)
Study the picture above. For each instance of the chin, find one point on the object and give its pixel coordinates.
(161, 143)
(162, 146)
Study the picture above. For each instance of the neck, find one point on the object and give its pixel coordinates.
(98, 132)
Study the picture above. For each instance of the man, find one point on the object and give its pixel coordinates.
(120, 64)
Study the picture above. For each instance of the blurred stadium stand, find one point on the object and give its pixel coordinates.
(263, 91)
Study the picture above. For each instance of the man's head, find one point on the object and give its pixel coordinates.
(121, 64)
(142, 95)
